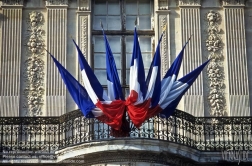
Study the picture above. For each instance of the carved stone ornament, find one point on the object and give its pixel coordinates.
(83, 34)
(164, 46)
(56, 2)
(189, 2)
(34, 66)
(163, 5)
(83, 5)
(12, 2)
(233, 2)
(215, 71)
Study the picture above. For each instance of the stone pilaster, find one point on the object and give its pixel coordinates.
(216, 75)
(236, 61)
(10, 58)
(190, 25)
(56, 45)
(83, 35)
(162, 23)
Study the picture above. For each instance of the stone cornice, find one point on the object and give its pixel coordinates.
(233, 2)
(163, 11)
(189, 2)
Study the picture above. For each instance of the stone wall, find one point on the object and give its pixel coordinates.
(30, 84)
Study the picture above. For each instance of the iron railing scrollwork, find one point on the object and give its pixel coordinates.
(45, 135)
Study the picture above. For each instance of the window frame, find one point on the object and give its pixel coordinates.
(123, 33)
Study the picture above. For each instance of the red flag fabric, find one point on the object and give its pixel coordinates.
(137, 113)
(113, 113)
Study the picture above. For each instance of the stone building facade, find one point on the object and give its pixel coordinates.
(31, 86)
(220, 30)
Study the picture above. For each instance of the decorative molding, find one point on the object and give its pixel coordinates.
(34, 66)
(83, 34)
(12, 2)
(83, 5)
(233, 2)
(215, 72)
(56, 2)
(163, 5)
(189, 2)
(164, 46)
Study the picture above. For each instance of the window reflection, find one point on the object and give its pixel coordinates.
(118, 18)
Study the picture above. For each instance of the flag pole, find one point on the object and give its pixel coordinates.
(136, 22)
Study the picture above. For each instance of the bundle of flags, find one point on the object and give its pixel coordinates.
(148, 96)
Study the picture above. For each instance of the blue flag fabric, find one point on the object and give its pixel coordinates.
(138, 73)
(76, 90)
(156, 82)
(114, 85)
(175, 67)
(171, 76)
(93, 83)
(182, 85)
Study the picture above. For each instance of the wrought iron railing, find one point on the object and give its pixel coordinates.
(45, 135)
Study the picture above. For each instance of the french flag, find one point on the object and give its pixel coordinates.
(178, 89)
(171, 75)
(137, 74)
(136, 104)
(153, 82)
(78, 92)
(112, 110)
(113, 81)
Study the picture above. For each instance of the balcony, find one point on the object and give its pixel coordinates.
(58, 139)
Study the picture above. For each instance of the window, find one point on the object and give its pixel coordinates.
(118, 18)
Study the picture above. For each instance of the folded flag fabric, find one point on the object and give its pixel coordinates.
(178, 89)
(136, 105)
(78, 92)
(148, 97)
(112, 110)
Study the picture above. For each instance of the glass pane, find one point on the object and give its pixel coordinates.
(115, 43)
(130, 22)
(144, 7)
(97, 24)
(128, 60)
(114, 23)
(145, 44)
(117, 58)
(129, 44)
(144, 22)
(99, 45)
(113, 8)
(100, 7)
(131, 7)
(99, 60)
(147, 58)
(127, 76)
(101, 76)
